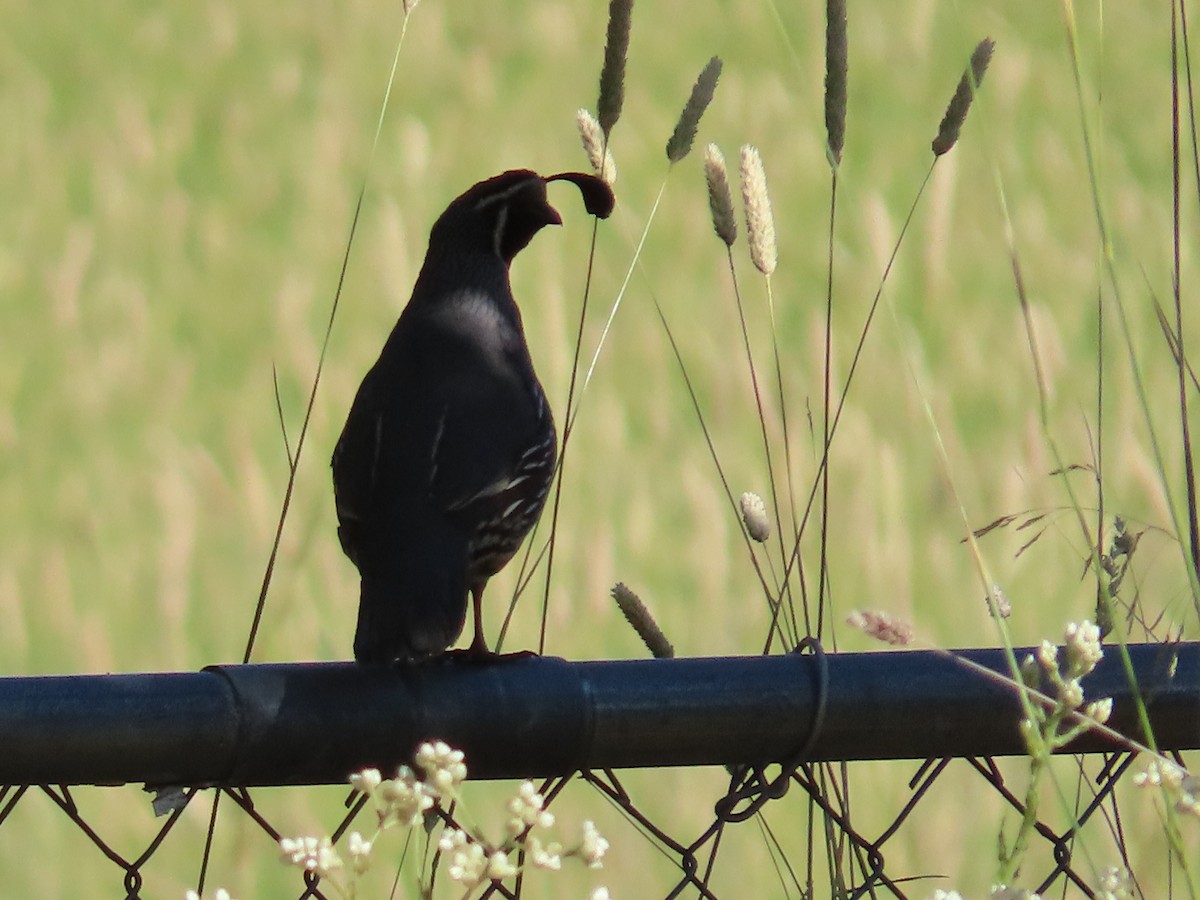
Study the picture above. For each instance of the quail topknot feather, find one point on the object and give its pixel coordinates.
(446, 457)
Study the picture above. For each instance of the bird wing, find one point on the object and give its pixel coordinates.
(483, 438)
(355, 465)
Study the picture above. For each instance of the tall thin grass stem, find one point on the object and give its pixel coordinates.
(772, 602)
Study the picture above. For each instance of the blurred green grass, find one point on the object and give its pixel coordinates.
(179, 185)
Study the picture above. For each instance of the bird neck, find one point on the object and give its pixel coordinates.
(472, 285)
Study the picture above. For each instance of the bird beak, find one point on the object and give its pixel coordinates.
(597, 195)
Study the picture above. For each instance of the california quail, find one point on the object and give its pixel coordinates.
(448, 451)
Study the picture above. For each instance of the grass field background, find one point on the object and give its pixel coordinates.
(179, 183)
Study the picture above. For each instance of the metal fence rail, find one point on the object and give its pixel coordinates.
(293, 724)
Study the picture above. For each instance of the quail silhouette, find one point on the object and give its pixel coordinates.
(448, 451)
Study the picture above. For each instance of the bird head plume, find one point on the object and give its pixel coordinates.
(504, 213)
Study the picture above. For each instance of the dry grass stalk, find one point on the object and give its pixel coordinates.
(680, 143)
(760, 223)
(596, 146)
(882, 626)
(612, 75)
(960, 103)
(720, 201)
(643, 623)
(836, 65)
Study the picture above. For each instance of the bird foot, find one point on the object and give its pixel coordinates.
(482, 657)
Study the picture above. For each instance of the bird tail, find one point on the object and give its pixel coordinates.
(405, 619)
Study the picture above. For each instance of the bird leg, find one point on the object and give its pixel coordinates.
(478, 652)
(479, 648)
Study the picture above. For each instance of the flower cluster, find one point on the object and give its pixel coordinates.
(473, 861)
(311, 854)
(443, 766)
(1083, 653)
(1184, 789)
(528, 811)
(1051, 725)
(407, 800)
(1116, 883)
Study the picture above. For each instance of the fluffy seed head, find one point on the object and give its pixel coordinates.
(596, 146)
(643, 623)
(720, 202)
(882, 626)
(754, 515)
(760, 224)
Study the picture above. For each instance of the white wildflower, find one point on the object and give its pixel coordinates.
(1115, 884)
(468, 862)
(443, 767)
(360, 851)
(1048, 657)
(500, 867)
(548, 856)
(312, 854)
(1160, 771)
(1083, 648)
(593, 847)
(402, 800)
(365, 781)
(528, 810)
(1100, 710)
(1070, 693)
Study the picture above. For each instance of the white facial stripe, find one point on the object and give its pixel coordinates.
(503, 196)
(498, 234)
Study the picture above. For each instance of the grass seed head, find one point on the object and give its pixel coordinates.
(680, 143)
(720, 201)
(643, 623)
(754, 515)
(836, 64)
(596, 146)
(960, 103)
(760, 223)
(612, 74)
